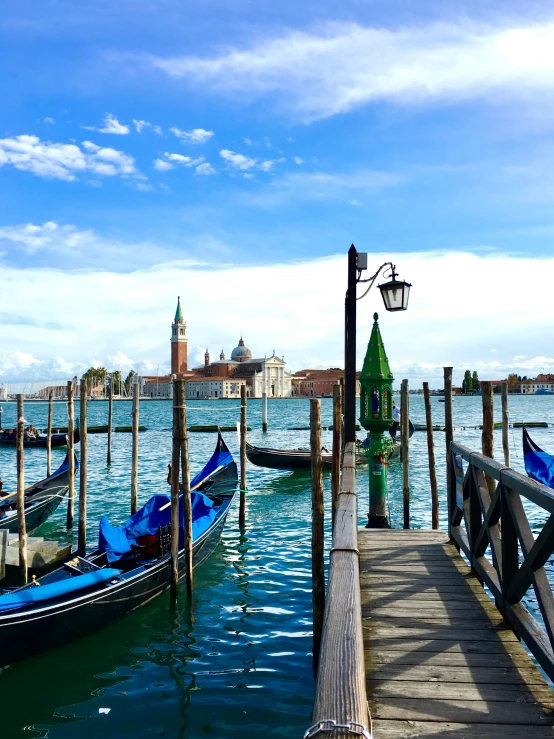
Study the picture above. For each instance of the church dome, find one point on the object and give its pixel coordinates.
(241, 353)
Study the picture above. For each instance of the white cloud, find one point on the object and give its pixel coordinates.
(268, 164)
(205, 168)
(141, 125)
(356, 203)
(162, 165)
(348, 65)
(79, 248)
(196, 136)
(112, 125)
(170, 160)
(63, 161)
(249, 142)
(49, 120)
(440, 327)
(298, 161)
(239, 161)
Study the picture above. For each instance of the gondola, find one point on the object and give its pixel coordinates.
(9, 438)
(130, 567)
(300, 459)
(41, 500)
(539, 465)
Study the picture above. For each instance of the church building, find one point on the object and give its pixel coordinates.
(222, 378)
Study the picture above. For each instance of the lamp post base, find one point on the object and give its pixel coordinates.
(377, 522)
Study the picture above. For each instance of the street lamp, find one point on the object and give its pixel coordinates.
(395, 295)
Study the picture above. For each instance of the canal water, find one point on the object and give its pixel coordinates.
(239, 664)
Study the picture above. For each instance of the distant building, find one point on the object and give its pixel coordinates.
(312, 383)
(222, 378)
(3, 392)
(214, 388)
(541, 382)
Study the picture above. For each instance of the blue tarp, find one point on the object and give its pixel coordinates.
(117, 541)
(30, 596)
(538, 464)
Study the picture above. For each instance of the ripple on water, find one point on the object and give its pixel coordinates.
(241, 666)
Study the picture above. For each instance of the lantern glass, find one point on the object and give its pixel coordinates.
(395, 294)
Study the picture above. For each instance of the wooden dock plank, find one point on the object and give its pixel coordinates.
(438, 660)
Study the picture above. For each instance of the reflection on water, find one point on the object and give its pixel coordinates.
(239, 664)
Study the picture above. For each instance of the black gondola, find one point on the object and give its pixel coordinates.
(8, 437)
(41, 500)
(88, 593)
(300, 459)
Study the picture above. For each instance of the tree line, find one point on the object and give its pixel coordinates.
(95, 376)
(470, 383)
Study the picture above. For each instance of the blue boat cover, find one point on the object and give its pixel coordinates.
(117, 541)
(538, 464)
(72, 584)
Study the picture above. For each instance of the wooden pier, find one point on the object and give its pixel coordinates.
(439, 661)
(413, 644)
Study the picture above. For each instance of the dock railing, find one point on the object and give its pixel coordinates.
(479, 519)
(341, 709)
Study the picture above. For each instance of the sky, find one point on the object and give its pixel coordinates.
(230, 153)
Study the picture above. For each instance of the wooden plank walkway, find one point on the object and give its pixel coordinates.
(438, 662)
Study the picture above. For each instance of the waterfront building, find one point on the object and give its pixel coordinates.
(3, 392)
(222, 378)
(544, 382)
(319, 383)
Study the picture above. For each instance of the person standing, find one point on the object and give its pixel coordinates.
(395, 420)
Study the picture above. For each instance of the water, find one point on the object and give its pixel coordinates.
(241, 665)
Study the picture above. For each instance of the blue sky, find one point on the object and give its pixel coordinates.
(189, 139)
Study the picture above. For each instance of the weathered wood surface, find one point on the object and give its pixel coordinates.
(71, 456)
(404, 447)
(341, 689)
(431, 455)
(242, 493)
(22, 526)
(318, 528)
(83, 472)
(337, 448)
(134, 450)
(438, 661)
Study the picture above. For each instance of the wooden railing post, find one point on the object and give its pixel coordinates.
(404, 442)
(242, 494)
(318, 533)
(71, 456)
(110, 422)
(505, 424)
(449, 436)
(337, 448)
(134, 450)
(175, 458)
(185, 484)
(431, 454)
(83, 471)
(22, 526)
(487, 437)
(49, 434)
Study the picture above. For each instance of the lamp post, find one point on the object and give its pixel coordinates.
(395, 294)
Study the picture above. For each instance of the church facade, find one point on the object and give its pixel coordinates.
(222, 378)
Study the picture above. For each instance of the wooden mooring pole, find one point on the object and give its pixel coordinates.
(110, 422)
(337, 448)
(487, 436)
(318, 569)
(176, 452)
(505, 424)
(70, 455)
(449, 437)
(22, 527)
(83, 470)
(242, 504)
(404, 443)
(185, 477)
(431, 454)
(134, 451)
(264, 400)
(49, 434)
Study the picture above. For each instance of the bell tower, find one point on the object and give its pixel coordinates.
(179, 342)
